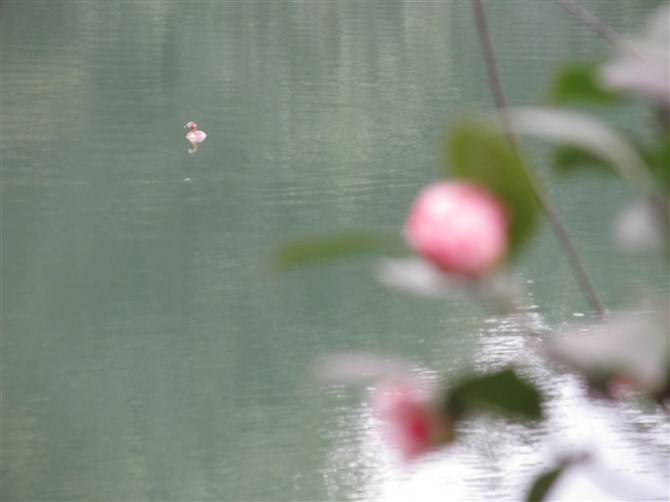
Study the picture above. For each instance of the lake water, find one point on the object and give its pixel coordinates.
(145, 354)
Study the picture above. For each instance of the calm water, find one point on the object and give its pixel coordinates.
(145, 355)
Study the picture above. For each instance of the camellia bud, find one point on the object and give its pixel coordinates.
(459, 227)
(413, 425)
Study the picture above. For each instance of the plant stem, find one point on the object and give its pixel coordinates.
(591, 21)
(557, 226)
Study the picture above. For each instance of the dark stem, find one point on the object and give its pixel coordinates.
(591, 21)
(555, 222)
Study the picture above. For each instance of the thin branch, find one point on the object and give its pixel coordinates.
(554, 220)
(591, 21)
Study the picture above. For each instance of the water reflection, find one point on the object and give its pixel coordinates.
(624, 445)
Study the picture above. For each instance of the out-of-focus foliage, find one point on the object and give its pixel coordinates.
(642, 66)
(308, 250)
(658, 160)
(481, 152)
(543, 483)
(628, 352)
(579, 83)
(502, 392)
(585, 133)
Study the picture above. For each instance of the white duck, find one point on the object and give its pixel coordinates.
(194, 136)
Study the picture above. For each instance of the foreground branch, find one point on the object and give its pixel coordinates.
(591, 21)
(557, 226)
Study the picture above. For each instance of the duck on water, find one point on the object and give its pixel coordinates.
(195, 136)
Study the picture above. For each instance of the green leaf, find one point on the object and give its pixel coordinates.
(578, 82)
(545, 481)
(568, 159)
(334, 246)
(659, 161)
(584, 132)
(481, 153)
(542, 484)
(502, 392)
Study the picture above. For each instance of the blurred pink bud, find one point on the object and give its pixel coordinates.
(412, 424)
(459, 227)
(620, 386)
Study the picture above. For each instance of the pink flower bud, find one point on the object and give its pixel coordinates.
(412, 424)
(459, 227)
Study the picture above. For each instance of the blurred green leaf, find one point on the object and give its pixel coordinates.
(579, 82)
(659, 161)
(334, 246)
(481, 153)
(581, 131)
(502, 392)
(543, 484)
(568, 159)
(545, 481)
